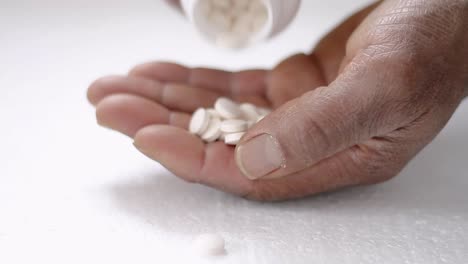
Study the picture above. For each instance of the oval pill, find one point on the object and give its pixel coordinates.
(213, 132)
(213, 112)
(199, 122)
(233, 138)
(227, 108)
(233, 126)
(249, 111)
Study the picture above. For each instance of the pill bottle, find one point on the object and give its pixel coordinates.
(236, 24)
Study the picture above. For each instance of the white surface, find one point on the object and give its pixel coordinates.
(209, 245)
(71, 192)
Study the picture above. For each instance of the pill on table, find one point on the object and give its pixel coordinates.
(199, 122)
(209, 245)
(249, 111)
(227, 108)
(233, 138)
(213, 132)
(233, 126)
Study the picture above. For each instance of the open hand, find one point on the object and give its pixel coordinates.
(370, 96)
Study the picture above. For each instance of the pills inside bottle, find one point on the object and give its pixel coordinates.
(233, 23)
(236, 24)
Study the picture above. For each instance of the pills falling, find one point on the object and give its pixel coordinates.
(234, 22)
(209, 245)
(227, 121)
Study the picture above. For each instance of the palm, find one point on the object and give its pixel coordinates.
(153, 104)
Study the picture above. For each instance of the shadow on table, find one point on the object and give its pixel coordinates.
(433, 185)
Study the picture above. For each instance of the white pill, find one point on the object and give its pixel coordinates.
(242, 25)
(251, 123)
(233, 126)
(199, 122)
(222, 136)
(249, 111)
(213, 132)
(227, 108)
(213, 112)
(233, 138)
(231, 40)
(209, 245)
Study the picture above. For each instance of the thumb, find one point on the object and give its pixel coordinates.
(314, 126)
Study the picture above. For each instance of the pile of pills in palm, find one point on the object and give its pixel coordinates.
(234, 22)
(227, 121)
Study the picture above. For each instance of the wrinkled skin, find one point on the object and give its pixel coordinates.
(355, 111)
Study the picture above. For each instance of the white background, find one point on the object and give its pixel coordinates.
(71, 192)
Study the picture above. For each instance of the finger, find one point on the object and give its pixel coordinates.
(331, 50)
(129, 113)
(179, 97)
(362, 103)
(227, 83)
(345, 169)
(371, 162)
(293, 77)
(301, 73)
(211, 164)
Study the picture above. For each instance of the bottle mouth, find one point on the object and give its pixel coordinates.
(233, 24)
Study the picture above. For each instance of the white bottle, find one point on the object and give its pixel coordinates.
(237, 24)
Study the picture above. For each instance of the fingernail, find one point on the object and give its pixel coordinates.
(259, 156)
